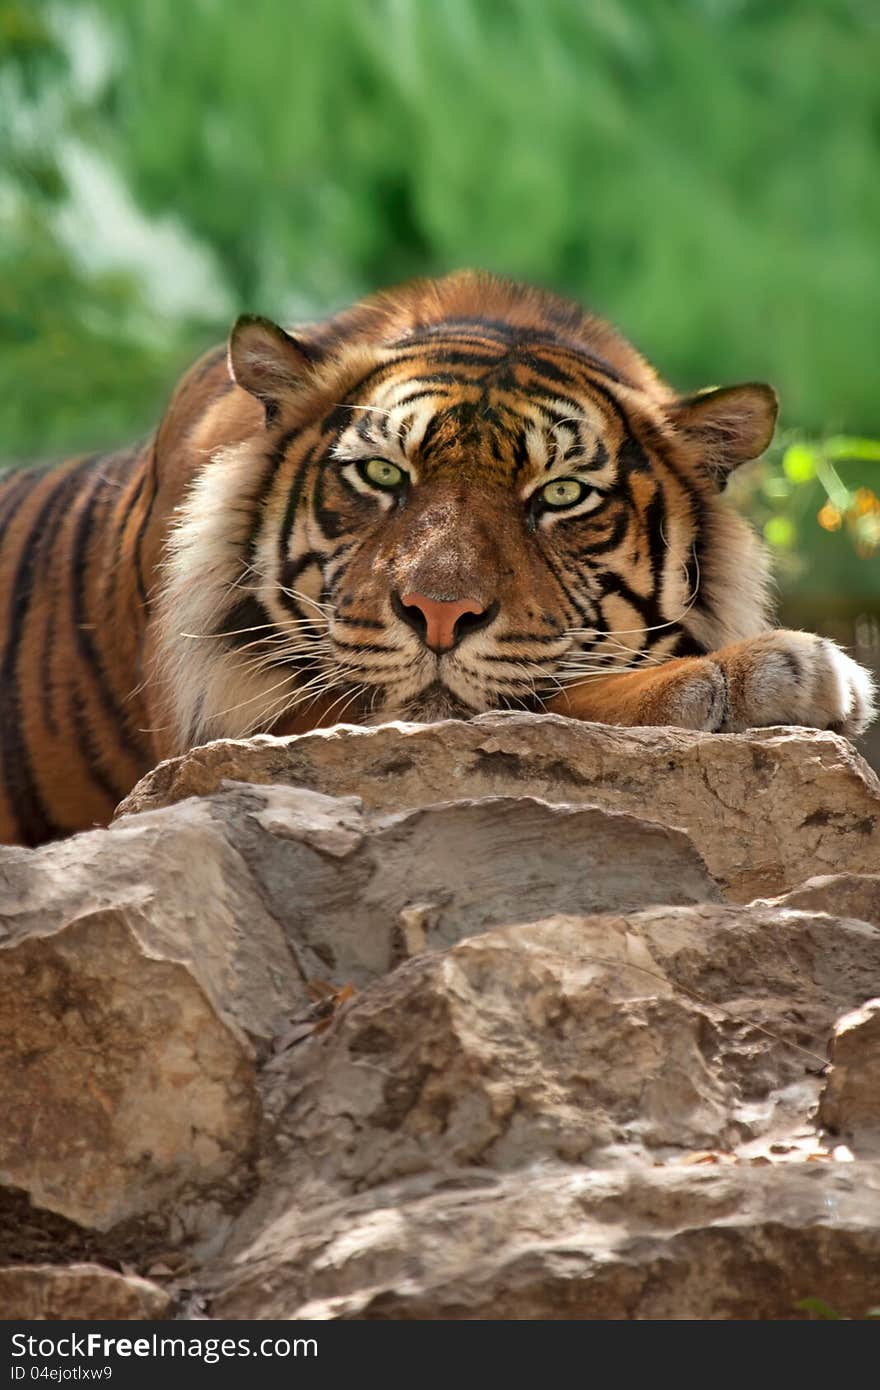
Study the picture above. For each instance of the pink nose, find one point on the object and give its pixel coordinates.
(440, 618)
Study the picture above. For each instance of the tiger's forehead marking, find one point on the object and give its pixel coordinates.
(507, 339)
(493, 406)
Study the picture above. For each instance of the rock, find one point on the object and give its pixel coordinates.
(497, 1036)
(84, 1292)
(129, 968)
(598, 1040)
(841, 895)
(850, 1104)
(427, 878)
(599, 1117)
(139, 965)
(121, 1089)
(561, 1242)
(766, 809)
(184, 893)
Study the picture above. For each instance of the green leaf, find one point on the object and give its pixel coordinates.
(819, 1308)
(779, 532)
(842, 446)
(799, 463)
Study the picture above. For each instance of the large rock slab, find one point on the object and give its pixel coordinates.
(562, 1242)
(122, 1091)
(384, 886)
(766, 809)
(603, 1117)
(184, 893)
(144, 968)
(493, 1038)
(138, 969)
(82, 1292)
(599, 1040)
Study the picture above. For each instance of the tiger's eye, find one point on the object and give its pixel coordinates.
(382, 473)
(563, 492)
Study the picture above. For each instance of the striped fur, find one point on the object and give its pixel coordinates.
(240, 573)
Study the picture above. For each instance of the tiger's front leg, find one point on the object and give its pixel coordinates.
(779, 678)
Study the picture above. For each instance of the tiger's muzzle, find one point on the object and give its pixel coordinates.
(442, 623)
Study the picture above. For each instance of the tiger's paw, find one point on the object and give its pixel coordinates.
(793, 678)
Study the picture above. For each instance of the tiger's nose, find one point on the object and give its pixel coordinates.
(442, 623)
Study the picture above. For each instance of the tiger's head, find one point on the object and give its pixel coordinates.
(458, 496)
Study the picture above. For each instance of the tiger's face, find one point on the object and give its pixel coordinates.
(496, 538)
(461, 516)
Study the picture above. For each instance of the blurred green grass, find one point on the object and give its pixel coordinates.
(703, 172)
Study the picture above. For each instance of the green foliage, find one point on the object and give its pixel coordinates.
(77, 368)
(822, 1311)
(818, 1308)
(816, 502)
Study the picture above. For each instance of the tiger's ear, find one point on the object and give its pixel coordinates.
(267, 362)
(731, 424)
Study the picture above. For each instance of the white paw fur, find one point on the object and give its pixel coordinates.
(796, 678)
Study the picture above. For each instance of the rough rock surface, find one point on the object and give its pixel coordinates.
(851, 1099)
(559, 1242)
(138, 965)
(766, 809)
(619, 1050)
(649, 1027)
(125, 1081)
(842, 895)
(82, 1292)
(512, 1018)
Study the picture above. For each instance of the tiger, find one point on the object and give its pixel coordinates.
(460, 495)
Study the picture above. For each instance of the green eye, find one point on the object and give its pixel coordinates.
(563, 492)
(381, 473)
